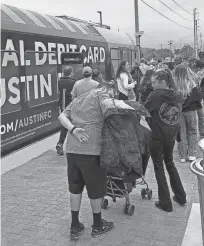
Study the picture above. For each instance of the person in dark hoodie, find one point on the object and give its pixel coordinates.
(188, 121)
(65, 84)
(165, 104)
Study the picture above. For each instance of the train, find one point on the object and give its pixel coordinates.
(31, 48)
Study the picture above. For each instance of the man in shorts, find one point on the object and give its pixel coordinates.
(85, 84)
(84, 118)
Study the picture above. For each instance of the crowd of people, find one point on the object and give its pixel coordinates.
(173, 95)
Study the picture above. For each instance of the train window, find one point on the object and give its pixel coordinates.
(129, 57)
(115, 64)
(41, 78)
(133, 57)
(115, 58)
(125, 55)
(10, 93)
(115, 54)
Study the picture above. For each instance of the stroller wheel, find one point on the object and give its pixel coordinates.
(143, 192)
(125, 208)
(104, 203)
(149, 194)
(131, 210)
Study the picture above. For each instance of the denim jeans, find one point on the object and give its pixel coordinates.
(200, 113)
(187, 146)
(163, 151)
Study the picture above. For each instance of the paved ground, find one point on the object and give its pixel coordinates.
(35, 209)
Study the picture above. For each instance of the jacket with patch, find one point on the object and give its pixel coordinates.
(165, 108)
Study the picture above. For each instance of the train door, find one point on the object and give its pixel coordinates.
(75, 60)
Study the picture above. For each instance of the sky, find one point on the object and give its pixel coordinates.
(119, 14)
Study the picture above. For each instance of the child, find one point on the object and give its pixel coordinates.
(164, 105)
(188, 121)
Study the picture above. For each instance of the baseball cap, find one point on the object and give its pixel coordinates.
(87, 70)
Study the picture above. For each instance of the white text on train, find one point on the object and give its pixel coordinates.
(92, 54)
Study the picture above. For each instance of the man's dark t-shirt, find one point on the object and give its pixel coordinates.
(65, 83)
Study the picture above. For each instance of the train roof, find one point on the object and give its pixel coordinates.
(26, 21)
(113, 37)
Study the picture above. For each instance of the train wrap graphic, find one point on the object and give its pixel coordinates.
(31, 48)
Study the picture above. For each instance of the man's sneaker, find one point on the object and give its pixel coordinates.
(191, 158)
(183, 160)
(76, 231)
(59, 149)
(104, 228)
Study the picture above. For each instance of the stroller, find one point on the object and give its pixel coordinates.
(121, 187)
(123, 133)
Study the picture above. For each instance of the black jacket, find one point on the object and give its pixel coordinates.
(193, 101)
(165, 108)
(66, 83)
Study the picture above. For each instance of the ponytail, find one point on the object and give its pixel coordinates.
(165, 75)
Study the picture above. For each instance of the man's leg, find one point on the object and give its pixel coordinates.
(95, 181)
(63, 134)
(175, 180)
(76, 185)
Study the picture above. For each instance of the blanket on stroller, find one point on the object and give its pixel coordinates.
(125, 137)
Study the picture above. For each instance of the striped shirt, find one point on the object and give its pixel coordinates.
(86, 111)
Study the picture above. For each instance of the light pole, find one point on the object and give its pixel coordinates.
(100, 17)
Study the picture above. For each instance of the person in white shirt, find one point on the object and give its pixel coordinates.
(125, 82)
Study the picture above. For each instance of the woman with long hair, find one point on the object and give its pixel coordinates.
(125, 82)
(164, 104)
(188, 121)
(146, 86)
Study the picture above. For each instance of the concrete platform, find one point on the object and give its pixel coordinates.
(193, 234)
(36, 209)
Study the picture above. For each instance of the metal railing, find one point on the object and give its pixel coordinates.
(197, 167)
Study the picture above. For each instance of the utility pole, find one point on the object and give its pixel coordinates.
(137, 32)
(161, 46)
(195, 32)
